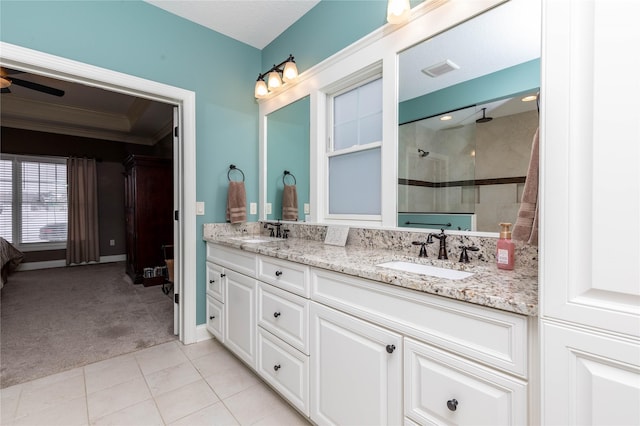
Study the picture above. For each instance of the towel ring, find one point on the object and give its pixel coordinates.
(232, 168)
(288, 173)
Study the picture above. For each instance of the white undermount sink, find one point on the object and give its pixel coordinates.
(433, 271)
(251, 240)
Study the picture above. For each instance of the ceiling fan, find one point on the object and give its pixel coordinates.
(6, 80)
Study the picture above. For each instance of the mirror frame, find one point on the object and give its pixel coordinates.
(380, 50)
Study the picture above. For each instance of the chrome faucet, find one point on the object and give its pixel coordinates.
(442, 252)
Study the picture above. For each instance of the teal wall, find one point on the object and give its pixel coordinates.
(505, 83)
(136, 38)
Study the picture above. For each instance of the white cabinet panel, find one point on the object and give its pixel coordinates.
(289, 276)
(588, 378)
(238, 260)
(443, 389)
(215, 274)
(240, 316)
(285, 368)
(285, 315)
(356, 370)
(215, 318)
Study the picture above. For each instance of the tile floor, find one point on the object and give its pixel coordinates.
(168, 384)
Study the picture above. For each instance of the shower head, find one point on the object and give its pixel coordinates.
(422, 152)
(484, 118)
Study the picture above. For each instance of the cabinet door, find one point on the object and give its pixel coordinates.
(356, 370)
(215, 318)
(240, 316)
(443, 389)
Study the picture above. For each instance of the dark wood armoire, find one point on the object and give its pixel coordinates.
(148, 213)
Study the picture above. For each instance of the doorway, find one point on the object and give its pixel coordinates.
(184, 162)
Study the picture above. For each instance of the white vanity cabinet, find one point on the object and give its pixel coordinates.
(356, 370)
(345, 350)
(215, 300)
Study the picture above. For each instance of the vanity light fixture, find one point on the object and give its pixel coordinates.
(398, 11)
(284, 72)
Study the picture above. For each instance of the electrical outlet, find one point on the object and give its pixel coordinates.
(267, 208)
(200, 208)
(307, 210)
(112, 243)
(253, 208)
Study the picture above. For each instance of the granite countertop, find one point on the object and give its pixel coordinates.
(513, 291)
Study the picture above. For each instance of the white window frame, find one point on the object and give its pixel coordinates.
(16, 203)
(347, 86)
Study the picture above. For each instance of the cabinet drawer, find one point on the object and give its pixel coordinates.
(285, 315)
(441, 388)
(238, 260)
(494, 337)
(215, 318)
(214, 281)
(285, 368)
(289, 276)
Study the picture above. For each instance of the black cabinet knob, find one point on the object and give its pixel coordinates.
(391, 348)
(276, 367)
(276, 314)
(211, 317)
(452, 404)
(223, 275)
(212, 281)
(278, 273)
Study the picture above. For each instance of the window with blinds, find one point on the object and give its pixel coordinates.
(33, 199)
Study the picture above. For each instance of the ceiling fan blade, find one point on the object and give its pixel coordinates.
(35, 86)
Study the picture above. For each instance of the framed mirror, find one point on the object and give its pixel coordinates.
(287, 149)
(465, 134)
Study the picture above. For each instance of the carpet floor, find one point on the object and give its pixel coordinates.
(53, 320)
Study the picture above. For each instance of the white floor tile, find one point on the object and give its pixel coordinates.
(67, 413)
(160, 357)
(172, 378)
(201, 349)
(49, 393)
(185, 401)
(115, 398)
(107, 363)
(120, 370)
(142, 414)
(232, 380)
(54, 378)
(9, 403)
(213, 415)
(255, 404)
(216, 362)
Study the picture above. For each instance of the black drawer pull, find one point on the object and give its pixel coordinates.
(212, 281)
(223, 275)
(211, 317)
(276, 314)
(278, 273)
(391, 348)
(452, 404)
(276, 367)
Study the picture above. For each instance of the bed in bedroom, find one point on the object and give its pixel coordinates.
(10, 258)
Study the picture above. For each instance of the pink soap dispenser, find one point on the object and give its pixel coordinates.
(506, 248)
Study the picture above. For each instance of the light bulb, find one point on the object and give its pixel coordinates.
(398, 11)
(274, 80)
(261, 89)
(290, 71)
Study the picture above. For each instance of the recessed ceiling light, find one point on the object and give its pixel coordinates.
(440, 68)
(529, 98)
(446, 117)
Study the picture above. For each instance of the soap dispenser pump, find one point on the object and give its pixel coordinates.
(505, 248)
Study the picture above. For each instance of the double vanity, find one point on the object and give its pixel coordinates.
(370, 333)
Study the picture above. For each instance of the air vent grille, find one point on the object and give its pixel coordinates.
(438, 69)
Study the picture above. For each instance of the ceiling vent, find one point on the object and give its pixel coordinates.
(440, 68)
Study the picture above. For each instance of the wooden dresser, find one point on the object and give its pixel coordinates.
(148, 212)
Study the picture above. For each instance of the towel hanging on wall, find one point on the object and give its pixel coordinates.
(289, 199)
(236, 199)
(526, 227)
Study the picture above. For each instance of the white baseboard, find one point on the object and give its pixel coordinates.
(202, 333)
(61, 263)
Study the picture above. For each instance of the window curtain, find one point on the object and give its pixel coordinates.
(82, 238)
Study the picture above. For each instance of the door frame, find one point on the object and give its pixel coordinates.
(29, 60)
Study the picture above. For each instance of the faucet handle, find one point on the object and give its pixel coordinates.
(423, 248)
